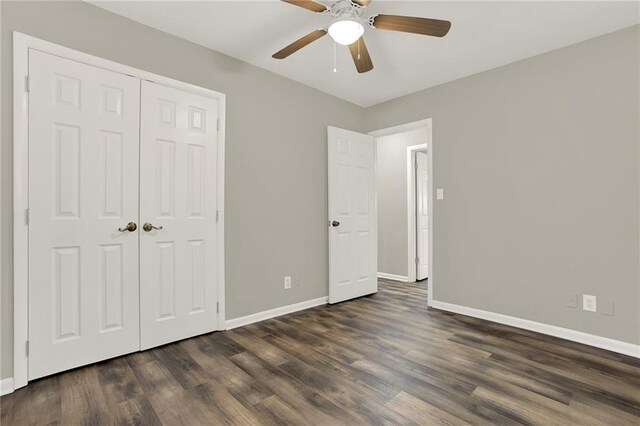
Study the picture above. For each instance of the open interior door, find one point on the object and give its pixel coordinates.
(353, 261)
(422, 215)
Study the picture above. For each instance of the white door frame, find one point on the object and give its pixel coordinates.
(411, 206)
(21, 45)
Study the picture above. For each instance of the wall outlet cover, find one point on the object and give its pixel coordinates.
(440, 194)
(572, 300)
(589, 303)
(287, 282)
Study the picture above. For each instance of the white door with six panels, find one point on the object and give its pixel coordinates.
(122, 214)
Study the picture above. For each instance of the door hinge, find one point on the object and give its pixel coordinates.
(217, 124)
(415, 165)
(27, 84)
(217, 216)
(27, 216)
(217, 307)
(417, 260)
(26, 347)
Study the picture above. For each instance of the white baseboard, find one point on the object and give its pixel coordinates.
(272, 313)
(393, 277)
(551, 330)
(6, 386)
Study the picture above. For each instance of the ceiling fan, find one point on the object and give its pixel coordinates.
(348, 24)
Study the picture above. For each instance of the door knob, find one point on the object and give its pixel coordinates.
(335, 223)
(149, 227)
(131, 226)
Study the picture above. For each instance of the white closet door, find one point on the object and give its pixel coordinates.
(422, 215)
(178, 289)
(83, 186)
(353, 262)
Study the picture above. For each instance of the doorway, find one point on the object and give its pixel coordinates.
(404, 202)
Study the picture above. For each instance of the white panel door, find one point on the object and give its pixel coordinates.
(353, 262)
(422, 215)
(83, 186)
(178, 288)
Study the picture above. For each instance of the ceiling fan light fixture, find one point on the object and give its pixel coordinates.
(346, 31)
(348, 28)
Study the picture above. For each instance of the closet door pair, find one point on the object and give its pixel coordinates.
(122, 214)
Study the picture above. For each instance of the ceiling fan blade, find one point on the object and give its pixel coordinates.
(362, 3)
(300, 43)
(308, 4)
(360, 56)
(409, 24)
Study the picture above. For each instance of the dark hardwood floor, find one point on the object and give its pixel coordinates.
(382, 359)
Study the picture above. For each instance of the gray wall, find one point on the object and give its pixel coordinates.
(276, 158)
(539, 161)
(391, 194)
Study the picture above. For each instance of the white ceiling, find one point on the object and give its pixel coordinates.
(483, 35)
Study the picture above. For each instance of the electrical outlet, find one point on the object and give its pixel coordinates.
(606, 308)
(589, 303)
(572, 300)
(287, 282)
(440, 194)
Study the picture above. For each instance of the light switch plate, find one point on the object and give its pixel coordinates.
(440, 194)
(589, 303)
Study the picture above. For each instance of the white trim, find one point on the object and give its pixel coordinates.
(6, 386)
(432, 200)
(222, 108)
(21, 45)
(1, 174)
(411, 218)
(20, 204)
(564, 333)
(276, 312)
(393, 277)
(402, 128)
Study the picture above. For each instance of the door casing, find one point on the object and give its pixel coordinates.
(22, 43)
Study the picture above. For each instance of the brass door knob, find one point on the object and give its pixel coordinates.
(131, 226)
(149, 227)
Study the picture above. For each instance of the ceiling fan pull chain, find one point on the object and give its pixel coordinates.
(359, 49)
(335, 68)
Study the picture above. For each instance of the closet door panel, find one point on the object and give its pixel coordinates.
(178, 287)
(83, 186)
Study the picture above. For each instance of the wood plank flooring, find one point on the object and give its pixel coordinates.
(381, 359)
